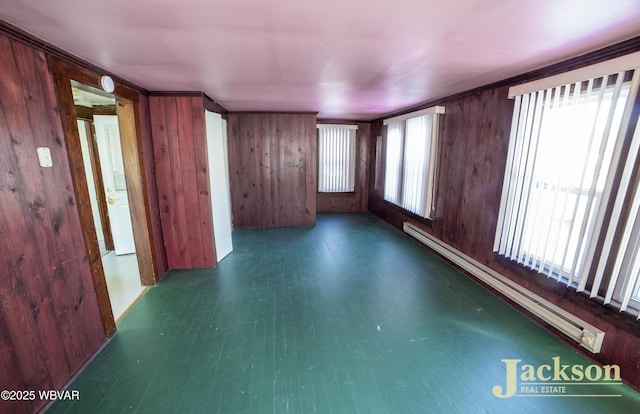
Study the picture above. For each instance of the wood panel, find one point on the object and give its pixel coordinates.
(49, 315)
(272, 161)
(177, 124)
(202, 185)
(472, 161)
(136, 190)
(359, 199)
(151, 195)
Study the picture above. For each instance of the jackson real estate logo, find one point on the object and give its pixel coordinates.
(557, 380)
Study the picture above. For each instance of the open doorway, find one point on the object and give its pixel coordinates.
(129, 124)
(99, 132)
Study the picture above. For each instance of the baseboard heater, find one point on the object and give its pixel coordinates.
(583, 333)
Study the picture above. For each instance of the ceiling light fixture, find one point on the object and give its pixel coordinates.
(107, 84)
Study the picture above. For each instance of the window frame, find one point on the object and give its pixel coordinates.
(608, 225)
(353, 148)
(428, 177)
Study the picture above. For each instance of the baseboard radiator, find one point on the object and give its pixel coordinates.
(583, 333)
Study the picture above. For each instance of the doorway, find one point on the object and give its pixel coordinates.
(144, 231)
(99, 132)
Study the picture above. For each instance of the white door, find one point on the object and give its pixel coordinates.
(219, 182)
(115, 188)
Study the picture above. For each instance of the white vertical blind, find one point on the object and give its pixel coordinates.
(393, 162)
(416, 164)
(411, 160)
(565, 149)
(336, 159)
(624, 281)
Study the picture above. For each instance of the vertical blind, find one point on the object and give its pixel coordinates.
(393, 162)
(415, 185)
(411, 160)
(624, 278)
(336, 158)
(566, 147)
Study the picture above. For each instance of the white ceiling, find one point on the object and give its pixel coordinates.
(346, 59)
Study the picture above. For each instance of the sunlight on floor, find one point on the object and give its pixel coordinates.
(123, 281)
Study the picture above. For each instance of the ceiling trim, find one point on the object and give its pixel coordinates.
(194, 94)
(276, 112)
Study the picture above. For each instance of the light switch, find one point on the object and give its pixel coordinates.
(44, 156)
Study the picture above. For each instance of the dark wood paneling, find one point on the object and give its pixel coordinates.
(144, 135)
(474, 146)
(177, 124)
(359, 199)
(49, 315)
(209, 104)
(84, 112)
(204, 220)
(162, 163)
(473, 155)
(104, 110)
(272, 161)
(136, 191)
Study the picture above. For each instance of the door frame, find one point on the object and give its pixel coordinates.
(127, 109)
(97, 179)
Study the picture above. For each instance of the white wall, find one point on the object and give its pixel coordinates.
(219, 183)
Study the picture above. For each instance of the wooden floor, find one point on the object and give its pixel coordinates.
(350, 316)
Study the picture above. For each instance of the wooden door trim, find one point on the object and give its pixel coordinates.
(94, 155)
(128, 123)
(63, 72)
(83, 200)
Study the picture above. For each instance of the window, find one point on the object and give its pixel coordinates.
(624, 283)
(615, 272)
(411, 160)
(336, 158)
(568, 185)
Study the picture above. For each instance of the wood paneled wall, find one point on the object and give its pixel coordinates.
(50, 322)
(473, 154)
(149, 167)
(182, 176)
(359, 199)
(272, 162)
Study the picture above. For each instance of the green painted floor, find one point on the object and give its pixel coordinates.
(348, 317)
